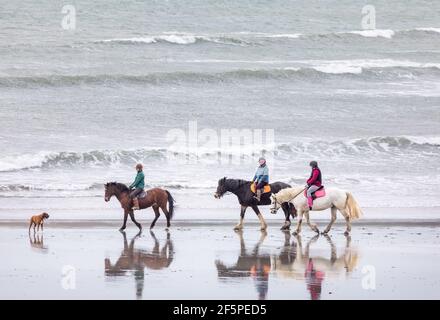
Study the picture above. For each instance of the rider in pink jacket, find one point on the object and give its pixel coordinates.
(313, 183)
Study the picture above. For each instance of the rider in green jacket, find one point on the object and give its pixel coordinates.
(138, 186)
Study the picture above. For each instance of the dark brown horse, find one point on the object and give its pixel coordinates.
(242, 189)
(155, 198)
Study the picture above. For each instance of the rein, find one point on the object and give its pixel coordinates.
(296, 195)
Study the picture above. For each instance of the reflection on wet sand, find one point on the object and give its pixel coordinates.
(296, 263)
(249, 264)
(37, 243)
(134, 261)
(292, 262)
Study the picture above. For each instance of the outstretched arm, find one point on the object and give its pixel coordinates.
(136, 181)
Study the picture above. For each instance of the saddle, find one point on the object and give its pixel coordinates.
(266, 188)
(143, 194)
(317, 194)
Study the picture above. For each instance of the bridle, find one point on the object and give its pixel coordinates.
(296, 195)
(276, 202)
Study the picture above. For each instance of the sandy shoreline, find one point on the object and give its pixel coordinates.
(102, 223)
(218, 263)
(202, 251)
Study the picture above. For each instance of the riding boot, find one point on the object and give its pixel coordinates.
(135, 204)
(310, 202)
(258, 196)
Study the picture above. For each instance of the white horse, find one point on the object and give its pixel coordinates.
(334, 198)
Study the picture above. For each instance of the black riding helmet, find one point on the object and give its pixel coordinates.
(313, 164)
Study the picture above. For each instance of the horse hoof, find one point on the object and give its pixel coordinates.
(121, 229)
(324, 233)
(295, 233)
(346, 233)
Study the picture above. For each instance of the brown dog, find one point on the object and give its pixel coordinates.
(38, 221)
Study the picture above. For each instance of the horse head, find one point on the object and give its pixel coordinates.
(112, 189)
(221, 188)
(274, 204)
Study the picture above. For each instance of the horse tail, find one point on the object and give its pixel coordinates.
(170, 204)
(352, 207)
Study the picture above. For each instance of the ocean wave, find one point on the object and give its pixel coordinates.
(254, 38)
(384, 33)
(179, 39)
(50, 187)
(380, 146)
(73, 188)
(377, 33)
(403, 70)
(96, 158)
(394, 146)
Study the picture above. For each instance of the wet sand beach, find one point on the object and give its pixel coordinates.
(199, 259)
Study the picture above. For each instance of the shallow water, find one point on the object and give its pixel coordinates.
(214, 262)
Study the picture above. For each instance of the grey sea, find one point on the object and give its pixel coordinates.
(89, 89)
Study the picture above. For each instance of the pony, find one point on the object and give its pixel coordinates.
(242, 189)
(335, 198)
(156, 198)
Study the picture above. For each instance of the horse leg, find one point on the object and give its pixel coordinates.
(260, 217)
(134, 220)
(239, 226)
(157, 214)
(287, 222)
(298, 225)
(124, 225)
(311, 225)
(333, 219)
(347, 221)
(167, 215)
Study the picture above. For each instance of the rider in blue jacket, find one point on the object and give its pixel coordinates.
(261, 178)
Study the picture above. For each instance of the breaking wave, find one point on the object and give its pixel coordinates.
(388, 146)
(322, 70)
(179, 39)
(254, 38)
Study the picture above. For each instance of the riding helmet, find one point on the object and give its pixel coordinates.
(313, 164)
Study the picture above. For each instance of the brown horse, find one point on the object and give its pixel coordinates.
(156, 198)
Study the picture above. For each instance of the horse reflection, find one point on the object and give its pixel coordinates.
(294, 262)
(249, 264)
(37, 243)
(134, 261)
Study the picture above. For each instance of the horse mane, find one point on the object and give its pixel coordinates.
(287, 194)
(119, 186)
(235, 183)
